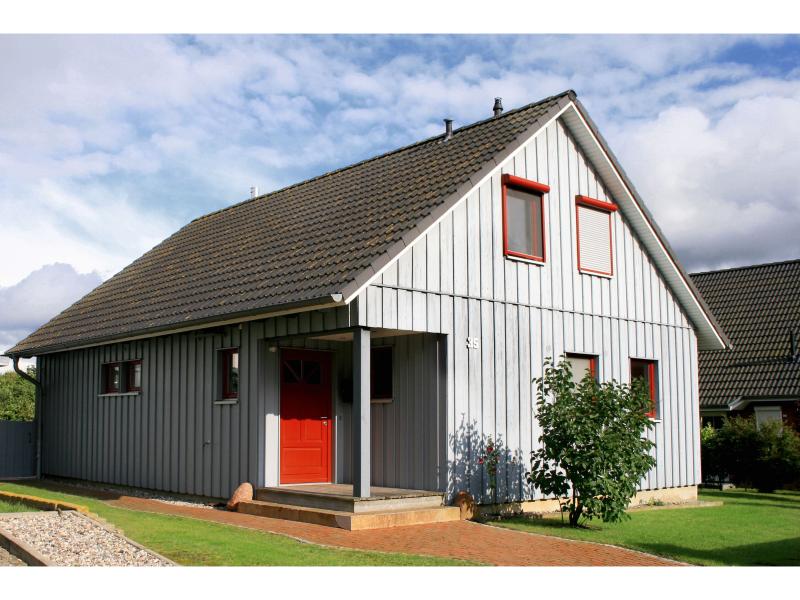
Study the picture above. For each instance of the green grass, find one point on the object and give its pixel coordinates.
(9, 507)
(194, 542)
(748, 529)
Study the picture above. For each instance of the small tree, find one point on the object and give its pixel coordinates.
(593, 452)
(17, 397)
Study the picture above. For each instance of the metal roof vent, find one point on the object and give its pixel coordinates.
(253, 191)
(498, 107)
(448, 129)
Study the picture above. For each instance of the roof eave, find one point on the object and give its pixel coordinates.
(328, 301)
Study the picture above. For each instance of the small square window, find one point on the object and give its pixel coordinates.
(581, 363)
(381, 360)
(230, 373)
(523, 218)
(646, 370)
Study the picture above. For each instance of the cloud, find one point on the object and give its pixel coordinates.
(724, 191)
(33, 301)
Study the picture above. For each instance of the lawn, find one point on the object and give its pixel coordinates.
(10, 507)
(748, 529)
(195, 542)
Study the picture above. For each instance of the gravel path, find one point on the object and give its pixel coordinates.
(70, 539)
(8, 560)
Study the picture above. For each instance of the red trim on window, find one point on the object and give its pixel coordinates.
(131, 387)
(651, 376)
(598, 204)
(592, 361)
(595, 203)
(108, 389)
(227, 358)
(540, 189)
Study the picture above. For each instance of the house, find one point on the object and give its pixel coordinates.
(377, 323)
(759, 308)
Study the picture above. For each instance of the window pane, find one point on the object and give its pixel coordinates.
(524, 222)
(136, 375)
(579, 364)
(311, 372)
(291, 371)
(381, 373)
(233, 373)
(112, 378)
(643, 369)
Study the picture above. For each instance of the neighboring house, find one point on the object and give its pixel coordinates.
(759, 308)
(375, 324)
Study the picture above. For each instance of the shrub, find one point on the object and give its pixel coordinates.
(765, 457)
(593, 451)
(17, 398)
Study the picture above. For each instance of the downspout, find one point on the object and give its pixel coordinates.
(37, 413)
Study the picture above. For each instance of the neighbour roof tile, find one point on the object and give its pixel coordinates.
(758, 307)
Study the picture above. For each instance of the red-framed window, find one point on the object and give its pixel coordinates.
(230, 373)
(580, 363)
(381, 373)
(112, 378)
(134, 376)
(594, 230)
(523, 218)
(647, 370)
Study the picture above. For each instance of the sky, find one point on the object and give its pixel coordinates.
(108, 144)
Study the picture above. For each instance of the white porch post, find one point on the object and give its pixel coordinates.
(361, 416)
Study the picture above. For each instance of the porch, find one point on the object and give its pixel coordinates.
(337, 505)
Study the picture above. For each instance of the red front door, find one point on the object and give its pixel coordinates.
(306, 411)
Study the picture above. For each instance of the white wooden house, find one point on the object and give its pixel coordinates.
(376, 324)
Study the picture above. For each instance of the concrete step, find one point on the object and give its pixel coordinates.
(350, 520)
(407, 500)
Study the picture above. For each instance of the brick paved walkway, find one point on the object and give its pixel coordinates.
(461, 539)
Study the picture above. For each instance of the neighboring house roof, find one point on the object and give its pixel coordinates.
(759, 308)
(316, 243)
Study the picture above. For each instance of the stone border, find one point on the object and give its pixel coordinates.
(23, 551)
(42, 503)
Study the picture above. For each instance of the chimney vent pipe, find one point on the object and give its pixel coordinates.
(448, 129)
(498, 107)
(253, 191)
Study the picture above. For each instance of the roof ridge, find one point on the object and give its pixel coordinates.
(745, 267)
(512, 111)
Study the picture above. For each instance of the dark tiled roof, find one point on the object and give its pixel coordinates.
(758, 307)
(299, 244)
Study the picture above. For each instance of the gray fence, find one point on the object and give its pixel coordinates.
(17, 449)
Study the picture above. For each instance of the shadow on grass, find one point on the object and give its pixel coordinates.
(777, 553)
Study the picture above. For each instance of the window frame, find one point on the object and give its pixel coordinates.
(129, 367)
(593, 362)
(225, 357)
(532, 187)
(381, 399)
(652, 373)
(601, 205)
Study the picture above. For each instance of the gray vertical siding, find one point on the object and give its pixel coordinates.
(453, 284)
(455, 281)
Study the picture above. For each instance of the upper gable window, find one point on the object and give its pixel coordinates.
(523, 218)
(593, 229)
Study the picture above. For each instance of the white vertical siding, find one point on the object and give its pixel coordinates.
(523, 312)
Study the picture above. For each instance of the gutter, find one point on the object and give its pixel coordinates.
(37, 412)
